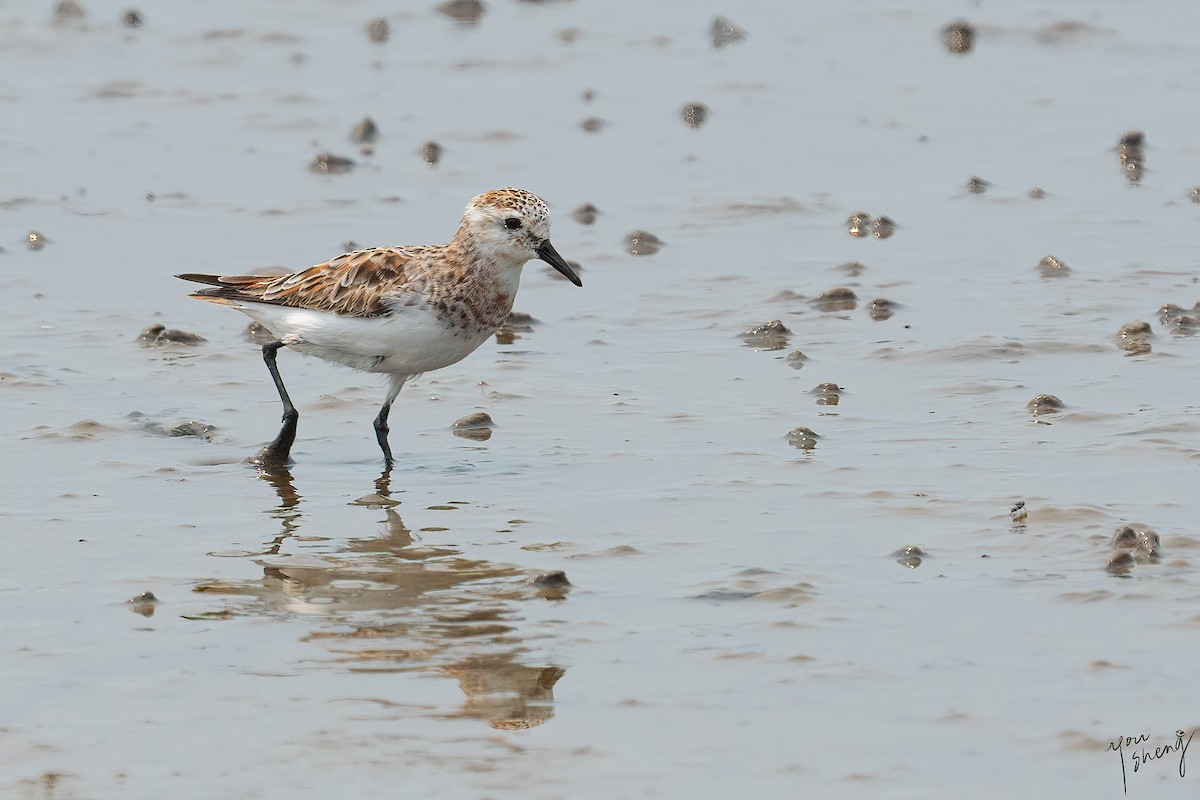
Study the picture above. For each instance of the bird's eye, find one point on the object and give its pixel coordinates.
(512, 223)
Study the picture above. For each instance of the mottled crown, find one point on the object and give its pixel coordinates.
(527, 204)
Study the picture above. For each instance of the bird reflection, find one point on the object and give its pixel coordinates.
(390, 602)
(288, 510)
(509, 696)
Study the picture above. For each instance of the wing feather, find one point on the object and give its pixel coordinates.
(355, 284)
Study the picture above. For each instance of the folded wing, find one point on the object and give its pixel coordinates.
(355, 284)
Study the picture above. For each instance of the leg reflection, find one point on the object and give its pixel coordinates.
(288, 510)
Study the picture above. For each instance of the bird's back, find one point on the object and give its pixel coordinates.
(357, 284)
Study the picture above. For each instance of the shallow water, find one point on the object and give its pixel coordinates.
(736, 619)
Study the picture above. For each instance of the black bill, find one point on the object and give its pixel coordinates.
(548, 254)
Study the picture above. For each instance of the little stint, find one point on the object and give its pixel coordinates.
(399, 311)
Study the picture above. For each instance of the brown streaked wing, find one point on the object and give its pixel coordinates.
(352, 284)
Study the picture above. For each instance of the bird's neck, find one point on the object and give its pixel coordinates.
(485, 258)
(484, 280)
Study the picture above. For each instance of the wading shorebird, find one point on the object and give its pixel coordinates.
(399, 311)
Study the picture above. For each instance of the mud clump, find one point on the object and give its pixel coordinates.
(592, 124)
(190, 427)
(330, 164)
(827, 394)
(474, 434)
(642, 243)
(1183, 325)
(1045, 404)
(1138, 328)
(194, 428)
(83, 431)
(1134, 338)
(771, 335)
(1122, 562)
(1142, 540)
(724, 33)
(431, 152)
(378, 30)
(585, 214)
(852, 269)
(551, 585)
(694, 115)
(365, 132)
(1037, 193)
(480, 419)
(859, 224)
(881, 309)
(803, 438)
(910, 556)
(1124, 539)
(144, 604)
(1148, 543)
(555, 578)
(464, 12)
(1131, 152)
(959, 37)
(1133, 544)
(161, 336)
(518, 322)
(1167, 311)
(68, 11)
(839, 299)
(476, 427)
(796, 359)
(1051, 267)
(1180, 321)
(977, 185)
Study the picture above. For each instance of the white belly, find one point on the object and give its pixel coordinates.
(409, 342)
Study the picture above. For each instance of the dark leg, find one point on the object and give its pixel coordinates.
(395, 384)
(280, 450)
(381, 433)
